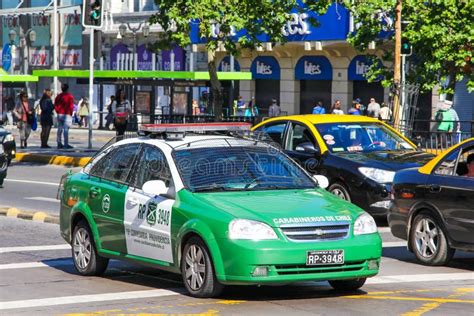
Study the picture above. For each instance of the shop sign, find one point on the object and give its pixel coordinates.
(358, 68)
(39, 57)
(71, 57)
(179, 59)
(265, 67)
(224, 65)
(6, 57)
(313, 68)
(120, 48)
(144, 57)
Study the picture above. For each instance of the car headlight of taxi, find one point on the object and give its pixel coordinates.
(250, 230)
(378, 175)
(9, 138)
(365, 224)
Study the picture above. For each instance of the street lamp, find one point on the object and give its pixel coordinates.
(146, 30)
(31, 35)
(123, 31)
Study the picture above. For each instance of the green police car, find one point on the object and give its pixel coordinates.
(217, 209)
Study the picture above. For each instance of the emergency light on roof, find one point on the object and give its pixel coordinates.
(177, 131)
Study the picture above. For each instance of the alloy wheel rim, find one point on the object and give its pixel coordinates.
(195, 267)
(427, 238)
(82, 248)
(339, 193)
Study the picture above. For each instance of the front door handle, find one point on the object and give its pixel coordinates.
(133, 201)
(94, 192)
(434, 188)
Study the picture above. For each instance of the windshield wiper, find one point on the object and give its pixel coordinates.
(214, 188)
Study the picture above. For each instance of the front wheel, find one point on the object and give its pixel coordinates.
(84, 252)
(429, 242)
(347, 285)
(340, 190)
(197, 270)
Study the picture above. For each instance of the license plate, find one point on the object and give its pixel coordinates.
(324, 257)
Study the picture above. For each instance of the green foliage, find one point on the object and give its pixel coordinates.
(440, 31)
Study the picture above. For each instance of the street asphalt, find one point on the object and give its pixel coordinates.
(39, 279)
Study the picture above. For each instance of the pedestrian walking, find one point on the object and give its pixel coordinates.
(25, 115)
(319, 108)
(83, 112)
(355, 109)
(274, 109)
(64, 106)
(385, 112)
(109, 119)
(46, 117)
(336, 108)
(373, 109)
(252, 109)
(122, 109)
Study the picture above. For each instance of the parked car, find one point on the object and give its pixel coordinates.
(433, 206)
(216, 209)
(8, 143)
(3, 166)
(358, 154)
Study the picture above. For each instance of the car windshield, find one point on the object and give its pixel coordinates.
(361, 137)
(239, 169)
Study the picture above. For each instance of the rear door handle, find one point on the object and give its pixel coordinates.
(435, 188)
(94, 192)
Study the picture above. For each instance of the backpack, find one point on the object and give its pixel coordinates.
(319, 110)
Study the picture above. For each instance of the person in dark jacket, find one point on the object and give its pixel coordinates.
(46, 118)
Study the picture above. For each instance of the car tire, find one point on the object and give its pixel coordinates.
(347, 285)
(84, 252)
(428, 241)
(340, 190)
(197, 270)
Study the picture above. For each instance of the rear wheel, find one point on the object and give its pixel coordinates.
(340, 190)
(84, 252)
(347, 285)
(428, 241)
(197, 270)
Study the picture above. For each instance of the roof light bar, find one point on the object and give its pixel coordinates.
(194, 127)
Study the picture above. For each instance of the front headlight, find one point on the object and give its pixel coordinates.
(378, 175)
(9, 138)
(251, 230)
(365, 224)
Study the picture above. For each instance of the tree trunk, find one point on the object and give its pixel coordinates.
(216, 87)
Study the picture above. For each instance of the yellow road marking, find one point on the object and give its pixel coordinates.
(13, 212)
(408, 298)
(39, 216)
(401, 291)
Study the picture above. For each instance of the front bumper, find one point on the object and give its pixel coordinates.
(286, 261)
(10, 149)
(372, 197)
(3, 166)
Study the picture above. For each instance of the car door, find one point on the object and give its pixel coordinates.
(147, 217)
(298, 146)
(274, 130)
(106, 194)
(453, 195)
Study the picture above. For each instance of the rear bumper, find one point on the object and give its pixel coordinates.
(286, 261)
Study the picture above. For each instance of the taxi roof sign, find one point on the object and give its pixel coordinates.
(195, 127)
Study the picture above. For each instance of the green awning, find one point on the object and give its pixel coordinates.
(143, 74)
(6, 77)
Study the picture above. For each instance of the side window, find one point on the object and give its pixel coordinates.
(297, 135)
(448, 164)
(152, 165)
(275, 131)
(116, 165)
(466, 162)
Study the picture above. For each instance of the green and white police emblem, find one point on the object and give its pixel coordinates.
(151, 213)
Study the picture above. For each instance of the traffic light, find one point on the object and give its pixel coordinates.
(92, 14)
(406, 47)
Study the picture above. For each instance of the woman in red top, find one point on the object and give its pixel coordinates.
(24, 114)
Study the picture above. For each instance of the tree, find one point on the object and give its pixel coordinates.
(440, 32)
(219, 21)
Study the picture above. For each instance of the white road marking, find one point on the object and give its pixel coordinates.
(384, 229)
(36, 264)
(79, 299)
(42, 198)
(34, 248)
(392, 244)
(32, 182)
(410, 278)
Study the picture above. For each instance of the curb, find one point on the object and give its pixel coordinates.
(53, 159)
(36, 216)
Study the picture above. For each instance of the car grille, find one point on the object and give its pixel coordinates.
(303, 269)
(316, 231)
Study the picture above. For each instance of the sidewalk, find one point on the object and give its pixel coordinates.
(76, 157)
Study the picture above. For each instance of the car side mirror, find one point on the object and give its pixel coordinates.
(155, 187)
(307, 148)
(323, 182)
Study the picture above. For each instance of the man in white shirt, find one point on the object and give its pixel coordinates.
(373, 109)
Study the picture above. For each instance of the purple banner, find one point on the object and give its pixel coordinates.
(120, 48)
(144, 58)
(179, 59)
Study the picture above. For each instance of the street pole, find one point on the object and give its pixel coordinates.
(403, 104)
(55, 45)
(396, 70)
(91, 84)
